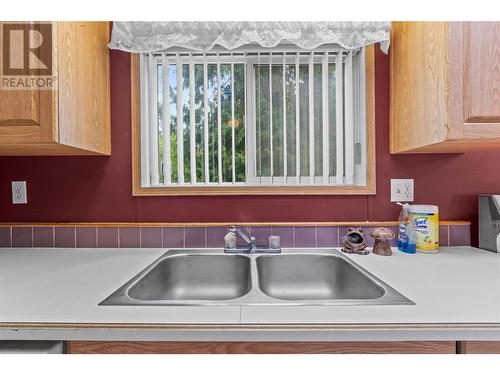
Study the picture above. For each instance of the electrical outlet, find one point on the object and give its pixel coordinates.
(19, 195)
(402, 190)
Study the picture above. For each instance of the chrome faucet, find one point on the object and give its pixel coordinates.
(250, 242)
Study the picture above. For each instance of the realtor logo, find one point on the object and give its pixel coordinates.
(26, 56)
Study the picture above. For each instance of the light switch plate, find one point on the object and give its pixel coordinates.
(402, 190)
(19, 195)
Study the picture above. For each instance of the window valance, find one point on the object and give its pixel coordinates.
(140, 37)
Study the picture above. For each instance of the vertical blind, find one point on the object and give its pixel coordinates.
(279, 117)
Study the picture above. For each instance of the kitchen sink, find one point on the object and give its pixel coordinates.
(195, 277)
(313, 276)
(294, 277)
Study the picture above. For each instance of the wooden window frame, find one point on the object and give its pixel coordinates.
(368, 189)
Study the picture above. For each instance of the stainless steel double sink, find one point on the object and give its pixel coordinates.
(294, 277)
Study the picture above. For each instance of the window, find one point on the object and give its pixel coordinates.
(286, 119)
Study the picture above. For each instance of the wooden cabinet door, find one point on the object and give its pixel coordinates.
(26, 116)
(481, 72)
(84, 88)
(445, 86)
(71, 116)
(474, 89)
(418, 80)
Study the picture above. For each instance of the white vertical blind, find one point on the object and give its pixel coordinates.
(345, 148)
(258, 122)
(360, 172)
(219, 122)
(297, 118)
(180, 122)
(153, 119)
(233, 125)
(205, 120)
(285, 150)
(349, 121)
(271, 143)
(192, 129)
(311, 118)
(245, 116)
(145, 113)
(167, 164)
(325, 118)
(339, 118)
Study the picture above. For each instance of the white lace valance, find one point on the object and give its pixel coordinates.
(203, 36)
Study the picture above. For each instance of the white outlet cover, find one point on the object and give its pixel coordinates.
(402, 190)
(19, 195)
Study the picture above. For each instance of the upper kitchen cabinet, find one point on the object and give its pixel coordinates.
(445, 86)
(54, 91)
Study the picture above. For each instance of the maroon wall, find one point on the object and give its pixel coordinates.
(99, 188)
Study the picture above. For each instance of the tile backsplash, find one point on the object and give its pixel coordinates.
(142, 236)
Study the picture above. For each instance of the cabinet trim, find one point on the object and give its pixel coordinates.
(478, 347)
(256, 347)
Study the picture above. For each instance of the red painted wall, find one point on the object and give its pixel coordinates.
(99, 188)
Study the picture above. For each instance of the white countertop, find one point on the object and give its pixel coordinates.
(52, 293)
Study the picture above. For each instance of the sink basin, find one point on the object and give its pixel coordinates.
(295, 277)
(313, 277)
(193, 277)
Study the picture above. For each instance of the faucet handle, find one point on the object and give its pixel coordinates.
(230, 240)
